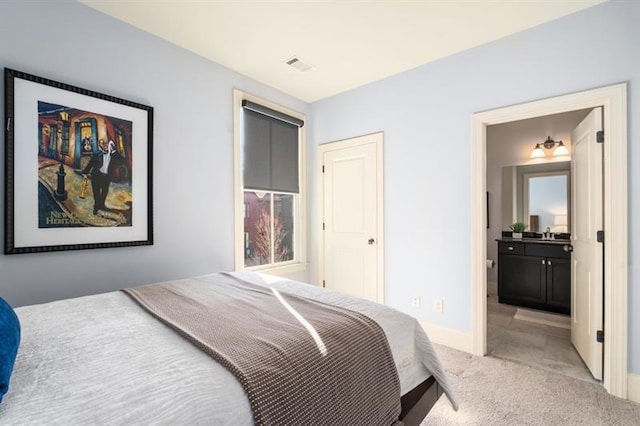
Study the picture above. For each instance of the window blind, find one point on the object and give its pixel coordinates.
(270, 150)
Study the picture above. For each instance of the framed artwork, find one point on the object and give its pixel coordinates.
(78, 168)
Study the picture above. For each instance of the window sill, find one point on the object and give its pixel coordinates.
(280, 269)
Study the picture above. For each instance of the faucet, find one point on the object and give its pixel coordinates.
(547, 234)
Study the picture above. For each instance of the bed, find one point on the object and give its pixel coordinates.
(103, 359)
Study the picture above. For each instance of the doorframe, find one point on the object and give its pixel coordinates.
(378, 140)
(614, 100)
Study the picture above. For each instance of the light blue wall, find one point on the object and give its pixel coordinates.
(193, 145)
(425, 114)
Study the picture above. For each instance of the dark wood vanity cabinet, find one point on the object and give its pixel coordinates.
(534, 275)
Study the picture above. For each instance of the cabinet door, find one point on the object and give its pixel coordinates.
(522, 280)
(559, 284)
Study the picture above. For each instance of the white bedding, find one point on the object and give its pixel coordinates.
(103, 360)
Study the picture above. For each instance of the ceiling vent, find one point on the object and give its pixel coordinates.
(298, 64)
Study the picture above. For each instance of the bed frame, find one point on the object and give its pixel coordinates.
(417, 403)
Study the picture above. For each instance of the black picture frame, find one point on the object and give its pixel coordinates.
(89, 182)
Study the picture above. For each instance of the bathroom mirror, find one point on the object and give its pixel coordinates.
(545, 197)
(538, 195)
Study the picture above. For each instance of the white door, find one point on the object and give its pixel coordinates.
(352, 206)
(587, 258)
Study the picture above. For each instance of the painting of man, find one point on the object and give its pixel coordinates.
(101, 170)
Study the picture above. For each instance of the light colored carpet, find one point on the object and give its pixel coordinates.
(496, 392)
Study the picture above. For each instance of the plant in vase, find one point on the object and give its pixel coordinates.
(517, 229)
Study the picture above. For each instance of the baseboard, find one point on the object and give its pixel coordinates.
(455, 339)
(492, 288)
(633, 387)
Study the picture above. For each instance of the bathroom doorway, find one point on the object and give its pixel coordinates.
(536, 192)
(615, 193)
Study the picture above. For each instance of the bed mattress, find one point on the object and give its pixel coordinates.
(103, 360)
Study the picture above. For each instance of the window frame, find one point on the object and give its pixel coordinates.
(299, 261)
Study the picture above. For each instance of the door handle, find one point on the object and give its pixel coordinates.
(371, 241)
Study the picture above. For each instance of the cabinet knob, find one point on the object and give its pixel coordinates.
(371, 241)
(549, 262)
(510, 248)
(543, 262)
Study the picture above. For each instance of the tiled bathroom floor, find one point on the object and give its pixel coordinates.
(536, 345)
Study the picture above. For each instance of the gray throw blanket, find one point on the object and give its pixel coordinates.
(299, 361)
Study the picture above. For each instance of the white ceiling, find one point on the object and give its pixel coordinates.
(349, 43)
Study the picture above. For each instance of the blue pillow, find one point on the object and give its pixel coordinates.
(9, 341)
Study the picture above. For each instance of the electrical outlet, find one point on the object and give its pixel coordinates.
(437, 305)
(415, 302)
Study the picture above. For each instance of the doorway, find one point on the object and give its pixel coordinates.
(529, 314)
(351, 206)
(615, 194)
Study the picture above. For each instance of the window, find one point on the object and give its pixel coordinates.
(269, 154)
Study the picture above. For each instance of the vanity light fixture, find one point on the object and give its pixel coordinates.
(561, 149)
(537, 152)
